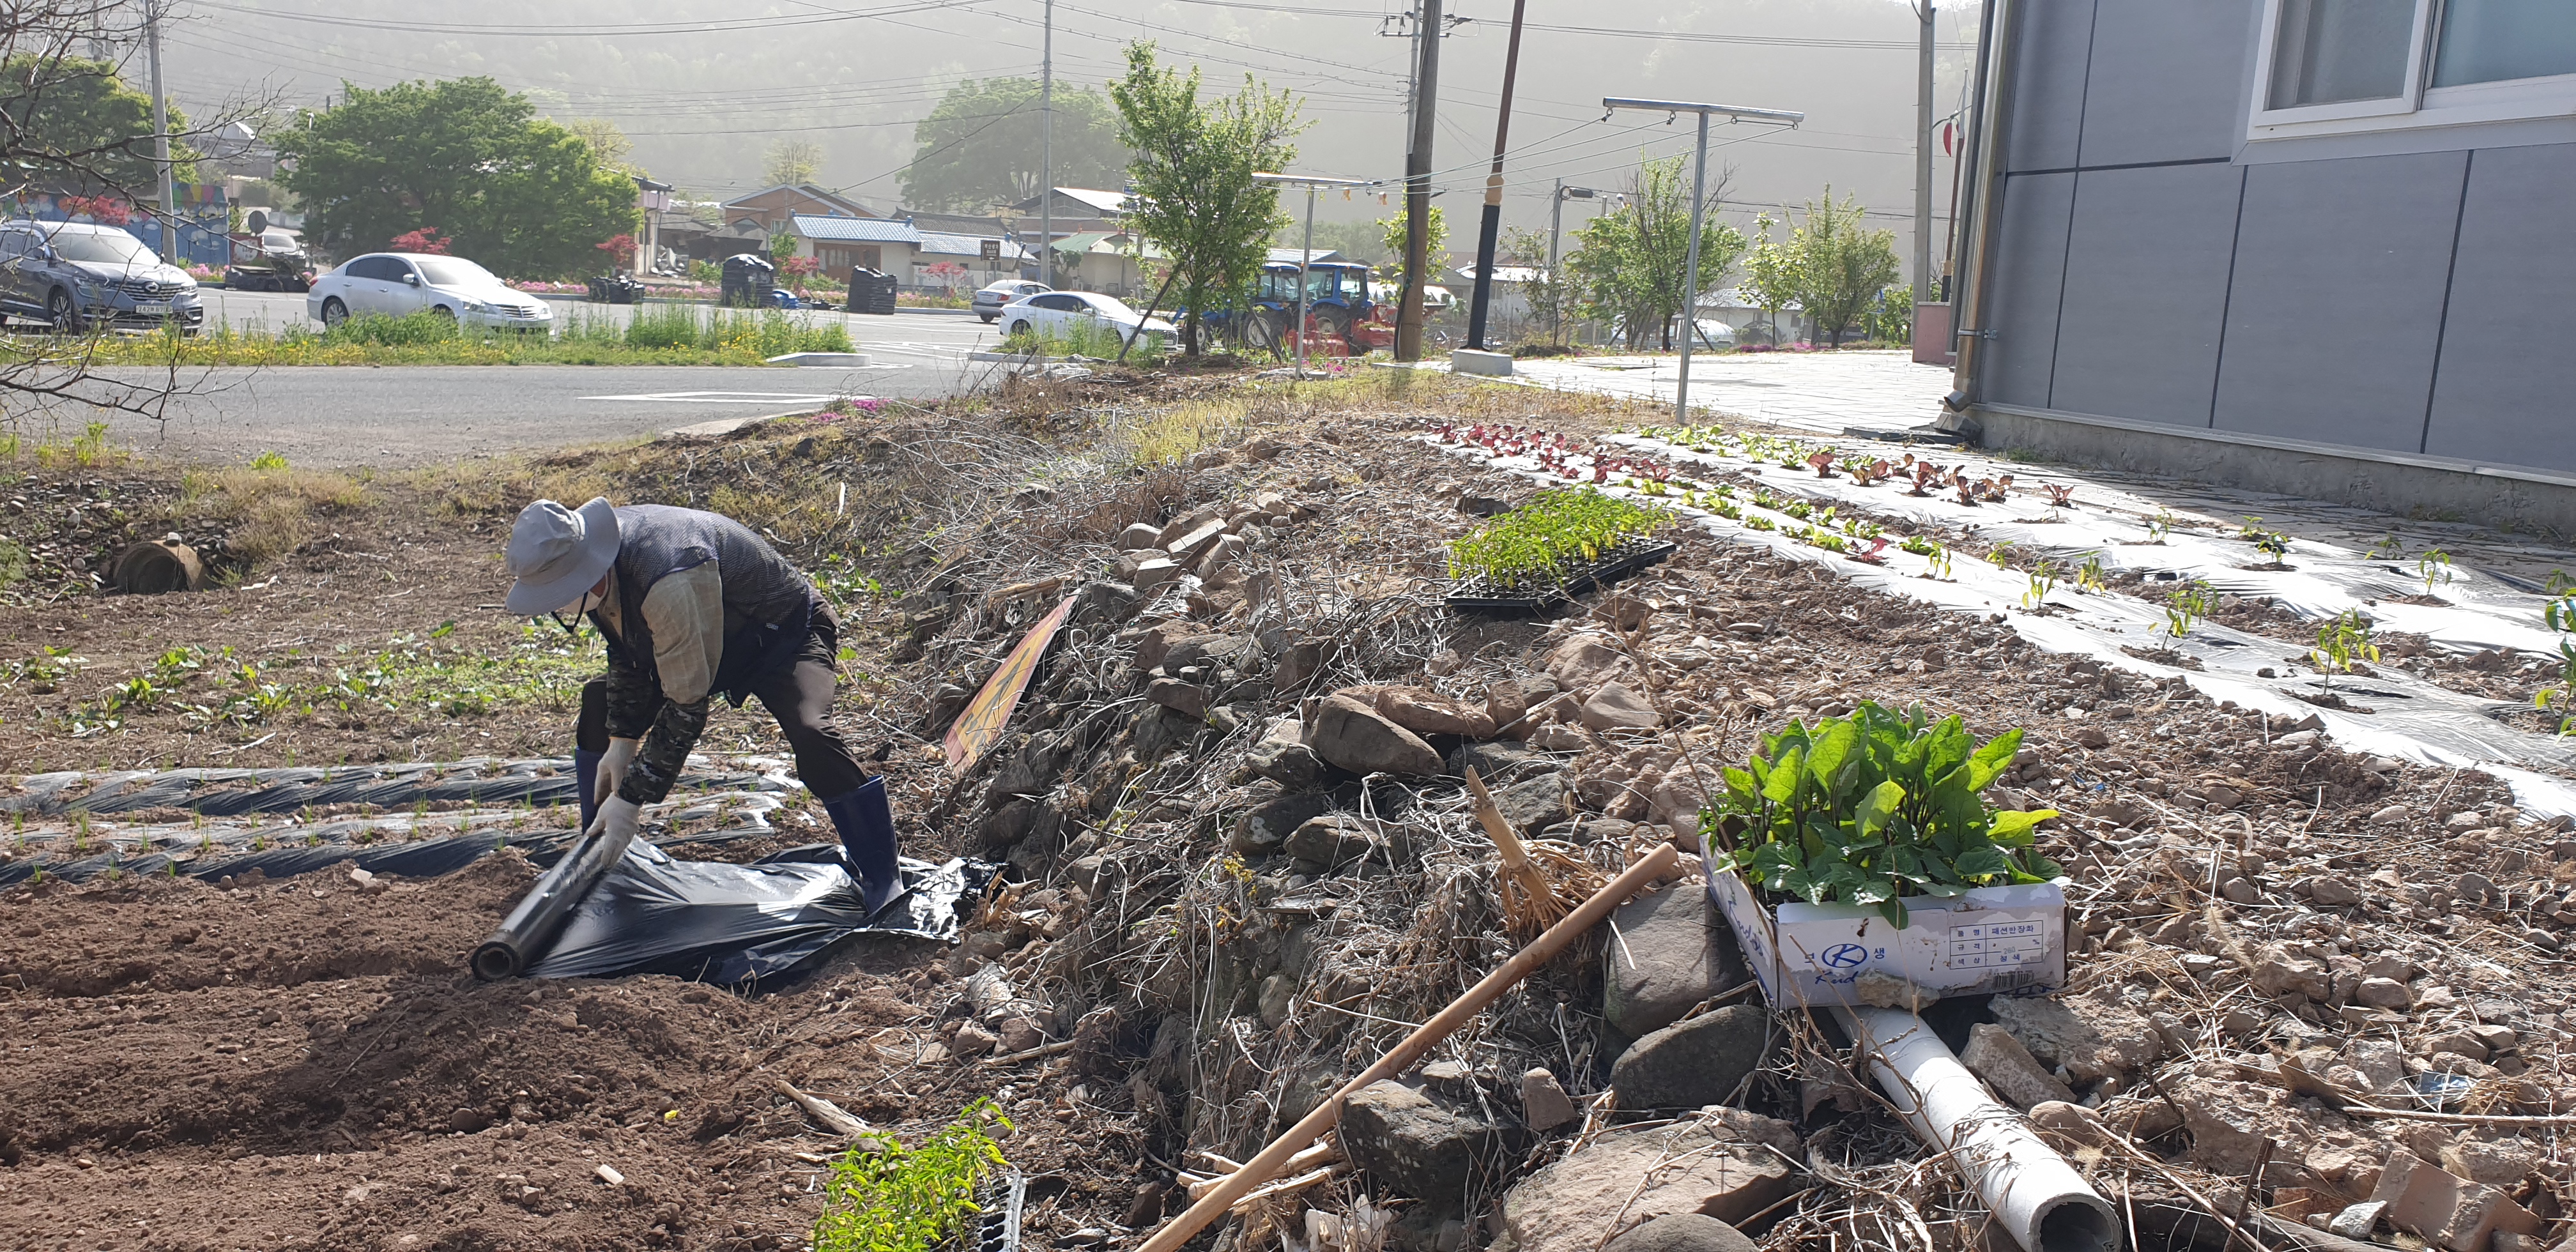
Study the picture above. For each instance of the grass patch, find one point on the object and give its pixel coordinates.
(268, 509)
(659, 334)
(1088, 339)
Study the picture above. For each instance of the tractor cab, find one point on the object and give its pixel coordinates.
(1337, 293)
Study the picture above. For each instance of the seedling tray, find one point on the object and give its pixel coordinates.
(1480, 594)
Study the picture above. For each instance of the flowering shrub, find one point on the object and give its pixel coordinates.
(620, 250)
(426, 241)
(104, 210)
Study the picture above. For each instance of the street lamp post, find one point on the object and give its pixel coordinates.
(1699, 209)
(1556, 230)
(1306, 255)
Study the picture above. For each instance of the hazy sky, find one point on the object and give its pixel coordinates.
(703, 87)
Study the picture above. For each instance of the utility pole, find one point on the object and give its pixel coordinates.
(1046, 149)
(1699, 210)
(1489, 228)
(161, 135)
(1925, 288)
(1417, 186)
(1555, 231)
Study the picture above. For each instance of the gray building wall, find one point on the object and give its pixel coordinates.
(2394, 296)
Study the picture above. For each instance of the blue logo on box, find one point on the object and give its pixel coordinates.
(1845, 955)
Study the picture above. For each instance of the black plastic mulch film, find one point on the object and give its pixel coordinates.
(711, 921)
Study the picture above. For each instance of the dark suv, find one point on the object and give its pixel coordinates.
(74, 275)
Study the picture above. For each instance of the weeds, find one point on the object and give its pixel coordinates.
(2342, 642)
(268, 461)
(1095, 340)
(885, 1197)
(1869, 809)
(658, 334)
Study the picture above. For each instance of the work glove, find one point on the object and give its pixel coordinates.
(612, 767)
(619, 818)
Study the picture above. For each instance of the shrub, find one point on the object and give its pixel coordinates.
(1874, 807)
(884, 1197)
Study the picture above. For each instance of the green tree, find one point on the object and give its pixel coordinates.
(1770, 274)
(74, 124)
(1634, 265)
(1192, 172)
(1391, 234)
(1841, 267)
(608, 144)
(521, 195)
(984, 146)
(792, 162)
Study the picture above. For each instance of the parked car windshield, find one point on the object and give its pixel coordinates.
(448, 271)
(118, 248)
(1109, 305)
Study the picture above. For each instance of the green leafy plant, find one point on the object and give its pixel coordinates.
(2184, 607)
(2386, 545)
(1874, 807)
(2560, 612)
(2272, 543)
(1818, 537)
(1940, 562)
(270, 460)
(2341, 642)
(1799, 509)
(1918, 545)
(2089, 575)
(2434, 566)
(2563, 696)
(1759, 522)
(2160, 526)
(1535, 542)
(2001, 554)
(2043, 579)
(884, 1197)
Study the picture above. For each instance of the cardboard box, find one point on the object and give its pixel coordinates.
(2009, 940)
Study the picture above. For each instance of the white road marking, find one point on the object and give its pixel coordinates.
(722, 397)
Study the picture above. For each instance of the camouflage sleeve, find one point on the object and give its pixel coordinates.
(666, 751)
(632, 698)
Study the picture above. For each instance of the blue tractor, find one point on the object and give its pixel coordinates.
(1337, 300)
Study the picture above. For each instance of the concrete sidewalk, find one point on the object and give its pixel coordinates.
(1821, 393)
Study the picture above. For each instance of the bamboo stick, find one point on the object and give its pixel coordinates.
(1656, 865)
(1529, 903)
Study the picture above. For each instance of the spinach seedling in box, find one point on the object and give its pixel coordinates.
(1874, 807)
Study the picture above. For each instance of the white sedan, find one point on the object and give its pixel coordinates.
(1057, 314)
(397, 283)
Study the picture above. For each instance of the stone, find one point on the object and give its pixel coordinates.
(2009, 1070)
(1330, 840)
(1350, 735)
(2229, 1121)
(1153, 573)
(2278, 973)
(2383, 993)
(1625, 1179)
(1298, 665)
(1187, 522)
(1534, 804)
(1185, 698)
(2495, 1162)
(1614, 707)
(1421, 1145)
(1586, 661)
(2090, 1036)
(1500, 761)
(1278, 995)
(1138, 537)
(1683, 1232)
(1544, 1103)
(2240, 891)
(2357, 1221)
(1670, 950)
(2332, 893)
(2447, 1210)
(2497, 1036)
(1105, 602)
(1154, 647)
(1506, 703)
(1188, 546)
(1694, 1063)
(2474, 887)
(2092, 737)
(2072, 1123)
(1263, 829)
(972, 1040)
(469, 1121)
(1281, 755)
(1557, 737)
(1430, 713)
(1017, 1034)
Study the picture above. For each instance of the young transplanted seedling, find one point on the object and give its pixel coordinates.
(2560, 612)
(2043, 579)
(2089, 577)
(2341, 642)
(2563, 696)
(2434, 566)
(884, 1197)
(2184, 608)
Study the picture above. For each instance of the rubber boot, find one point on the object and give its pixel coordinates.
(866, 822)
(585, 775)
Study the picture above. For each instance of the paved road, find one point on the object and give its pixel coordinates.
(400, 415)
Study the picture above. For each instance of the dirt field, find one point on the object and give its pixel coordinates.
(304, 1063)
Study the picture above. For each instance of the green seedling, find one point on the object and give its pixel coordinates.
(2089, 576)
(2043, 579)
(2387, 545)
(2001, 554)
(1873, 808)
(1759, 522)
(1799, 509)
(2342, 642)
(884, 1197)
(2563, 696)
(1940, 563)
(2273, 544)
(2434, 566)
(2160, 526)
(1534, 543)
(2184, 607)
(2560, 612)
(1818, 537)
(1918, 545)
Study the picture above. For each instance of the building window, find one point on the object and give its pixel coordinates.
(2341, 66)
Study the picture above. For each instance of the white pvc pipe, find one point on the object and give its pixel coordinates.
(2034, 1194)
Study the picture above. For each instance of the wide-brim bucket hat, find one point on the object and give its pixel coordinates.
(556, 553)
